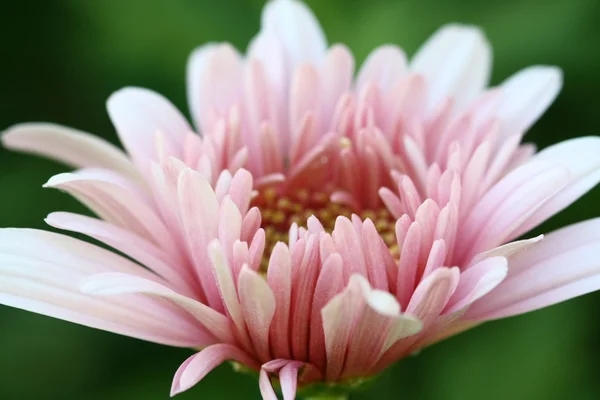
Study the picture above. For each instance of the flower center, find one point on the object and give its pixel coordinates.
(279, 212)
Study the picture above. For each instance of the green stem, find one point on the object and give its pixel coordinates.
(328, 397)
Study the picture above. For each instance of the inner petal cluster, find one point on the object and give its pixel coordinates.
(282, 211)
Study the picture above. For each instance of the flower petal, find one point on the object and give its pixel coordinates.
(115, 283)
(124, 241)
(214, 83)
(297, 27)
(258, 306)
(339, 316)
(564, 265)
(70, 146)
(329, 283)
(526, 95)
(456, 62)
(508, 205)
(288, 377)
(200, 364)
(384, 66)
(115, 200)
(226, 287)
(432, 294)
(40, 272)
(200, 215)
(476, 282)
(380, 325)
(266, 389)
(138, 114)
(507, 250)
(279, 277)
(581, 158)
(194, 70)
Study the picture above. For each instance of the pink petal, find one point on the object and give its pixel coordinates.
(75, 148)
(508, 205)
(296, 26)
(40, 272)
(266, 389)
(476, 282)
(214, 83)
(304, 101)
(200, 216)
(379, 326)
(379, 261)
(580, 157)
(336, 78)
(196, 65)
(268, 49)
(115, 283)
(564, 265)
(348, 244)
(138, 114)
(260, 107)
(288, 377)
(230, 226)
(456, 62)
(339, 317)
(329, 283)
(305, 275)
(384, 66)
(195, 368)
(507, 250)
(279, 277)
(227, 290)
(115, 200)
(526, 95)
(432, 294)
(410, 248)
(240, 190)
(258, 305)
(126, 242)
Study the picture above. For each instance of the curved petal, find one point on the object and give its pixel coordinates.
(214, 83)
(508, 205)
(384, 66)
(581, 157)
(297, 27)
(456, 62)
(138, 115)
(507, 250)
(288, 377)
(115, 200)
(564, 265)
(199, 210)
(196, 65)
(70, 146)
(116, 283)
(526, 95)
(197, 366)
(40, 272)
(266, 388)
(432, 294)
(258, 307)
(476, 282)
(124, 241)
(378, 328)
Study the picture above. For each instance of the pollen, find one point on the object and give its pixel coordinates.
(279, 212)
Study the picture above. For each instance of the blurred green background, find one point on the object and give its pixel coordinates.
(61, 60)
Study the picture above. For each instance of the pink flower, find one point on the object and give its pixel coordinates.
(321, 227)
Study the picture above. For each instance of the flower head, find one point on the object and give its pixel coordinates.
(319, 226)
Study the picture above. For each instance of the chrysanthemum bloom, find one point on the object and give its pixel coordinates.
(318, 227)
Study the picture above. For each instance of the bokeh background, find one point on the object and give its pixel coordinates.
(60, 61)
